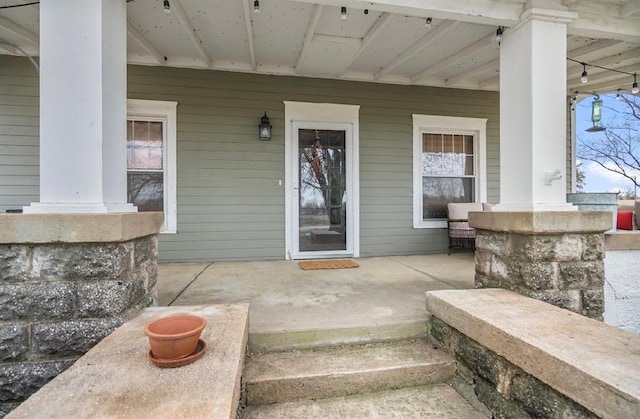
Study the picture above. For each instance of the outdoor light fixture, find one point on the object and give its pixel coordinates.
(256, 6)
(584, 77)
(499, 33)
(634, 87)
(167, 7)
(427, 22)
(366, 11)
(596, 115)
(264, 129)
(343, 13)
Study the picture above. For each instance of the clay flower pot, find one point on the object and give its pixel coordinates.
(174, 337)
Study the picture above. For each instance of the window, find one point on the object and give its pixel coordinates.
(151, 158)
(448, 166)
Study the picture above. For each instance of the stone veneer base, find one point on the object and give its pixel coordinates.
(553, 256)
(66, 282)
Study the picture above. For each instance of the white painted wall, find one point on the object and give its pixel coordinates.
(622, 289)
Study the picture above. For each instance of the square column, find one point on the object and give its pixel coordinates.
(83, 107)
(533, 113)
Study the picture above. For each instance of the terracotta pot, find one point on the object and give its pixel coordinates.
(174, 337)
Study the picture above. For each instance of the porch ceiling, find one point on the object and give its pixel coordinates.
(389, 44)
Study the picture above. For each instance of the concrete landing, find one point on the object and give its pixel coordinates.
(116, 379)
(380, 300)
(439, 401)
(342, 371)
(588, 361)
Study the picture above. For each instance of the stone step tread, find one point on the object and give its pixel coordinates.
(435, 401)
(340, 371)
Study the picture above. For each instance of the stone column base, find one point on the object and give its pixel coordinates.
(557, 257)
(66, 282)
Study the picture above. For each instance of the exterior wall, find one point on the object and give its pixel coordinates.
(19, 128)
(230, 203)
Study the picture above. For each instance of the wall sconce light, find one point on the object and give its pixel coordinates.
(264, 129)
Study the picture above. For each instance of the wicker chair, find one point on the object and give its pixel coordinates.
(461, 235)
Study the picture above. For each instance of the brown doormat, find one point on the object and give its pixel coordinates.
(328, 264)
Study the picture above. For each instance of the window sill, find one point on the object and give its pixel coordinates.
(431, 224)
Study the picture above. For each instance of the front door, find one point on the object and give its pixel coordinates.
(322, 216)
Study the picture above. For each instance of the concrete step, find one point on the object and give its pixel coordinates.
(341, 371)
(435, 401)
(288, 339)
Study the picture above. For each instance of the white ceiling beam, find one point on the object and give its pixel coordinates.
(8, 48)
(308, 37)
(136, 35)
(452, 59)
(490, 83)
(491, 65)
(599, 26)
(594, 47)
(176, 8)
(489, 12)
(630, 8)
(18, 30)
(375, 29)
(331, 39)
(247, 21)
(417, 46)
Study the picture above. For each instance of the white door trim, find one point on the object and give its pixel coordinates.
(321, 113)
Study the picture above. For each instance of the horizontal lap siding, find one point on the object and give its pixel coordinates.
(230, 205)
(19, 128)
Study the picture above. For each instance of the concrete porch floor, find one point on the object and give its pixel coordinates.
(382, 291)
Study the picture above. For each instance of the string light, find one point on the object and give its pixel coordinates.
(256, 6)
(167, 7)
(584, 78)
(499, 33)
(618, 97)
(343, 13)
(427, 22)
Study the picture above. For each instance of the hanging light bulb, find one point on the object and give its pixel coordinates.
(256, 6)
(618, 97)
(634, 86)
(427, 22)
(343, 13)
(499, 33)
(584, 77)
(167, 7)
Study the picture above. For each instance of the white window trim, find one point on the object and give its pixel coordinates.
(166, 111)
(435, 123)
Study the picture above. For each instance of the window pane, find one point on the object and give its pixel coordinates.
(145, 190)
(468, 144)
(432, 143)
(447, 143)
(468, 169)
(443, 164)
(438, 192)
(458, 144)
(144, 149)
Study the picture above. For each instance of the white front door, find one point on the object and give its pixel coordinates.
(321, 182)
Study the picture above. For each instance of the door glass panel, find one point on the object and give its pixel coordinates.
(322, 198)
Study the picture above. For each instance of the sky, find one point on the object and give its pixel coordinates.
(597, 178)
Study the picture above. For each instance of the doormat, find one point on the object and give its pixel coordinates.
(327, 264)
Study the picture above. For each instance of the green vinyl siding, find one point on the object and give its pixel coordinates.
(19, 128)
(231, 205)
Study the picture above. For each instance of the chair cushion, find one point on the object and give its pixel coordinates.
(625, 220)
(460, 210)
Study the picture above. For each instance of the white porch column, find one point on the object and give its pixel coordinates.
(533, 106)
(82, 107)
